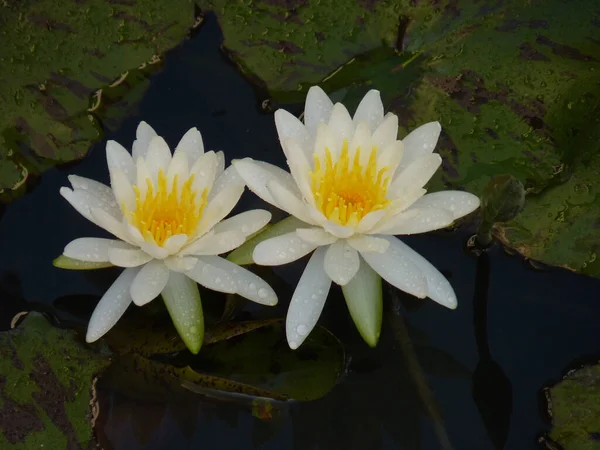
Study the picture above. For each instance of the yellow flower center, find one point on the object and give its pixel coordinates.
(167, 212)
(346, 191)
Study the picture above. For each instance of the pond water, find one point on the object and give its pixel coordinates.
(539, 322)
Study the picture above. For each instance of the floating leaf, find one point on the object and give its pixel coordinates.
(46, 385)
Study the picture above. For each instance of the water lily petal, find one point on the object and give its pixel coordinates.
(420, 142)
(118, 157)
(178, 263)
(248, 222)
(369, 110)
(338, 231)
(249, 285)
(220, 163)
(365, 243)
(92, 249)
(204, 171)
(281, 250)
(288, 202)
(105, 220)
(439, 289)
(144, 135)
(158, 156)
(327, 140)
(103, 192)
(142, 177)
(370, 221)
(191, 145)
(127, 257)
(308, 300)
(149, 282)
(341, 262)
(174, 243)
(364, 298)
(215, 244)
(415, 176)
(386, 132)
(212, 277)
(111, 306)
(457, 202)
(415, 221)
(404, 201)
(84, 202)
(219, 207)
(123, 190)
(399, 270)
(155, 250)
(340, 125)
(316, 236)
(317, 109)
(228, 178)
(182, 299)
(300, 168)
(178, 168)
(390, 157)
(290, 127)
(257, 174)
(361, 140)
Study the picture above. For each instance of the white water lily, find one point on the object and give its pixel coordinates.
(355, 186)
(166, 211)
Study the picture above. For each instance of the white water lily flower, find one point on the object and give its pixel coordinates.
(166, 212)
(354, 185)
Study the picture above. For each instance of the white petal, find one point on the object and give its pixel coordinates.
(174, 243)
(370, 221)
(420, 142)
(191, 144)
(155, 250)
(228, 178)
(281, 250)
(249, 285)
(204, 171)
(290, 127)
(364, 243)
(403, 202)
(180, 263)
(390, 157)
(215, 244)
(317, 109)
(123, 190)
(387, 132)
(341, 262)
(118, 157)
(439, 289)
(158, 156)
(414, 221)
(457, 202)
(415, 176)
(111, 307)
(340, 125)
(103, 192)
(92, 249)
(149, 283)
(308, 300)
(338, 231)
(134, 235)
(220, 163)
(84, 202)
(142, 177)
(315, 236)
(327, 140)
(369, 110)
(300, 168)
(287, 201)
(128, 257)
(178, 167)
(144, 135)
(398, 270)
(248, 222)
(212, 277)
(257, 174)
(219, 207)
(103, 219)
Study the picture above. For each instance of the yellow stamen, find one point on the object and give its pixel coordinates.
(344, 190)
(167, 212)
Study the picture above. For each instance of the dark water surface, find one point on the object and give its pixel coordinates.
(538, 322)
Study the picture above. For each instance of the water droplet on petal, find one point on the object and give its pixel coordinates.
(263, 293)
(302, 330)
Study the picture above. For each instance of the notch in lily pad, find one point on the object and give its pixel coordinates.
(502, 200)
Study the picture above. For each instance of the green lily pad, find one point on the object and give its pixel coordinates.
(46, 387)
(65, 67)
(574, 406)
(514, 85)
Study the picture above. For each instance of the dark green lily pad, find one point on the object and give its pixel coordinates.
(64, 65)
(514, 84)
(46, 387)
(574, 406)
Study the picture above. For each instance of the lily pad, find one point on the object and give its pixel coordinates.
(64, 65)
(514, 85)
(46, 387)
(574, 406)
